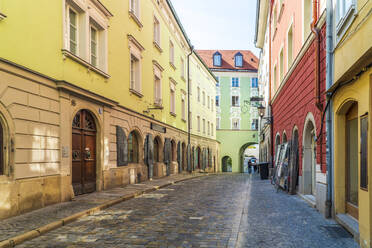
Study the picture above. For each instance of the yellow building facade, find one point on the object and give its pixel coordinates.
(93, 95)
(352, 105)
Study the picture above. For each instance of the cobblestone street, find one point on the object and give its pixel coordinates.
(232, 210)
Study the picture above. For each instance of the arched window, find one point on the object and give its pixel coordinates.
(239, 60)
(133, 148)
(217, 59)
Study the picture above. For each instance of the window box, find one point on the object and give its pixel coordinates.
(135, 92)
(135, 19)
(81, 61)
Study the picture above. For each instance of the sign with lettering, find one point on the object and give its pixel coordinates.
(158, 128)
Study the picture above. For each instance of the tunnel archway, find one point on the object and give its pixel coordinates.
(226, 164)
(247, 152)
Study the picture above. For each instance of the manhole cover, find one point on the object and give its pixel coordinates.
(336, 231)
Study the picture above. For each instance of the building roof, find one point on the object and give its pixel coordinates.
(250, 61)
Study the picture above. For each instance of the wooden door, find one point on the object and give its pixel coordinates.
(83, 153)
(352, 162)
(1, 151)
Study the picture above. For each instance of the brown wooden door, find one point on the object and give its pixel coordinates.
(83, 153)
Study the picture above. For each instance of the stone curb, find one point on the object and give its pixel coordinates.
(11, 242)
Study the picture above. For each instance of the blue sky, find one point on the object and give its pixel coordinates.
(219, 24)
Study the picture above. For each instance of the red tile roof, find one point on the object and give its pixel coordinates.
(250, 61)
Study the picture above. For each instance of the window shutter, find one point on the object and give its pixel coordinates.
(122, 147)
(364, 152)
(179, 156)
(167, 154)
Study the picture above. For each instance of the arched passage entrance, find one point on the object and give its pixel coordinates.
(226, 164)
(309, 158)
(83, 153)
(247, 152)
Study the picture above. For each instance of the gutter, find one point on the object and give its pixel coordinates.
(188, 111)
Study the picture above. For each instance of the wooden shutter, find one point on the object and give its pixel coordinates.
(179, 156)
(364, 152)
(121, 147)
(167, 154)
(145, 150)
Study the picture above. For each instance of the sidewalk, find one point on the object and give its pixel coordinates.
(16, 230)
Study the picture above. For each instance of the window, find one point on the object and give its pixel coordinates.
(133, 148)
(307, 18)
(235, 101)
(173, 99)
(212, 132)
(254, 82)
(73, 31)
(255, 124)
(135, 83)
(157, 149)
(290, 47)
(156, 31)
(198, 120)
(281, 65)
(183, 106)
(275, 78)
(235, 82)
(208, 101)
(209, 128)
(171, 53)
(275, 19)
(343, 8)
(135, 7)
(235, 123)
(217, 57)
(217, 101)
(93, 45)
(239, 60)
(204, 126)
(218, 81)
(198, 94)
(203, 98)
(182, 68)
(212, 104)
(218, 123)
(157, 91)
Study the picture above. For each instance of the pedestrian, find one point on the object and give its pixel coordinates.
(249, 166)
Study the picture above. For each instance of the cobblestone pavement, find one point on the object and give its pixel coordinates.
(231, 210)
(20, 224)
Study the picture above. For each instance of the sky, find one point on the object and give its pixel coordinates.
(219, 24)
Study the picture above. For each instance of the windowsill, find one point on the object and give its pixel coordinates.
(135, 19)
(173, 114)
(172, 65)
(236, 106)
(135, 92)
(158, 105)
(184, 120)
(157, 46)
(88, 65)
(183, 78)
(2, 16)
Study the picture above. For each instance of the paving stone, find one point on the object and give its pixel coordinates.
(230, 210)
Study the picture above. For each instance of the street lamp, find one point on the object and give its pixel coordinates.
(261, 111)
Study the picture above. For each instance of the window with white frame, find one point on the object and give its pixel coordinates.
(171, 52)
(239, 60)
(173, 98)
(135, 74)
(183, 107)
(290, 47)
(307, 17)
(158, 98)
(212, 104)
(198, 94)
(217, 59)
(135, 7)
(209, 128)
(281, 60)
(343, 8)
(212, 131)
(217, 101)
(182, 68)
(156, 31)
(218, 122)
(93, 46)
(73, 34)
(235, 101)
(198, 122)
(255, 124)
(235, 123)
(208, 100)
(235, 82)
(204, 126)
(203, 98)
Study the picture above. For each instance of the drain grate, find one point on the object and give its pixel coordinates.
(336, 231)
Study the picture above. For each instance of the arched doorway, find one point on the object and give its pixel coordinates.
(157, 149)
(83, 153)
(352, 161)
(294, 166)
(133, 147)
(226, 164)
(198, 157)
(309, 159)
(248, 153)
(174, 151)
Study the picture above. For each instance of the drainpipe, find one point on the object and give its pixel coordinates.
(316, 32)
(329, 126)
(269, 105)
(188, 112)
